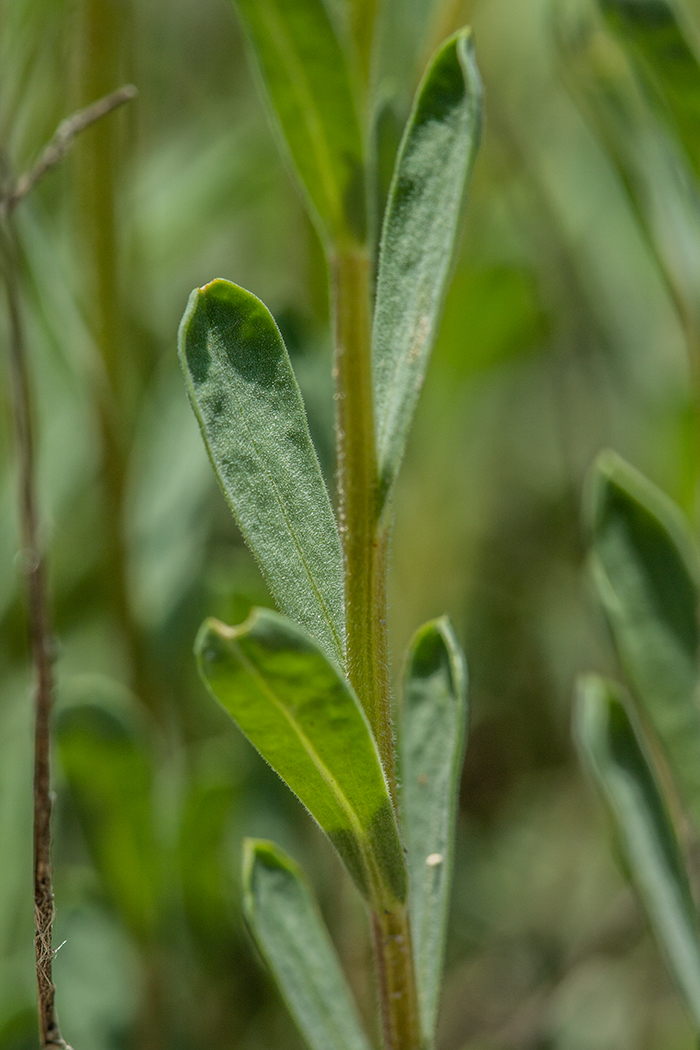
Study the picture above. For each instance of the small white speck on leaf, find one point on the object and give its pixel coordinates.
(433, 860)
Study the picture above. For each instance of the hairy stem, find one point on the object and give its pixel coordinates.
(365, 562)
(397, 986)
(40, 638)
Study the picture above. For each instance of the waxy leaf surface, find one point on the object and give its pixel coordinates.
(310, 92)
(612, 745)
(421, 224)
(250, 411)
(289, 930)
(300, 713)
(645, 567)
(432, 746)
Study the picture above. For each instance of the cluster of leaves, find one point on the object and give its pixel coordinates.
(638, 80)
(282, 677)
(548, 325)
(646, 756)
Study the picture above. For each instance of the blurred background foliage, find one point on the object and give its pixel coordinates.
(572, 324)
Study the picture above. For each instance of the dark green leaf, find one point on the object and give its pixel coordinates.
(310, 92)
(109, 773)
(290, 932)
(646, 569)
(206, 883)
(652, 35)
(420, 231)
(432, 744)
(612, 745)
(248, 404)
(660, 192)
(301, 714)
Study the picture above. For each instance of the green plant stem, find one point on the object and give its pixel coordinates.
(40, 637)
(365, 566)
(397, 984)
(364, 562)
(100, 168)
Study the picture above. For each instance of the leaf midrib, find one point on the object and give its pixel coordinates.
(261, 461)
(328, 778)
(418, 345)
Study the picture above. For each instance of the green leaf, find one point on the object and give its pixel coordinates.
(613, 746)
(247, 401)
(289, 930)
(651, 34)
(432, 744)
(204, 867)
(421, 224)
(109, 773)
(646, 569)
(310, 91)
(303, 717)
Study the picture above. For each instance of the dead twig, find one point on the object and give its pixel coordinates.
(33, 561)
(61, 141)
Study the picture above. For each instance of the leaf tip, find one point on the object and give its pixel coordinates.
(262, 855)
(435, 649)
(615, 490)
(190, 311)
(212, 645)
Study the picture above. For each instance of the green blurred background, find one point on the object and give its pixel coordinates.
(566, 330)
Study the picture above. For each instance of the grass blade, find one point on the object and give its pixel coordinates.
(251, 414)
(301, 714)
(420, 231)
(432, 744)
(613, 747)
(310, 92)
(646, 569)
(650, 32)
(289, 930)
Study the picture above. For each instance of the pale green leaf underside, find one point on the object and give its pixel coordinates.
(421, 224)
(291, 935)
(300, 713)
(251, 414)
(308, 85)
(613, 748)
(645, 567)
(432, 744)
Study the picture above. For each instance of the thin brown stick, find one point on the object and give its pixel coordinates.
(62, 140)
(33, 562)
(40, 637)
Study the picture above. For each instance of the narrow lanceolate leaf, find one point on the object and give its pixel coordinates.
(109, 774)
(309, 88)
(651, 34)
(421, 223)
(247, 401)
(612, 745)
(300, 713)
(432, 743)
(646, 570)
(289, 930)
